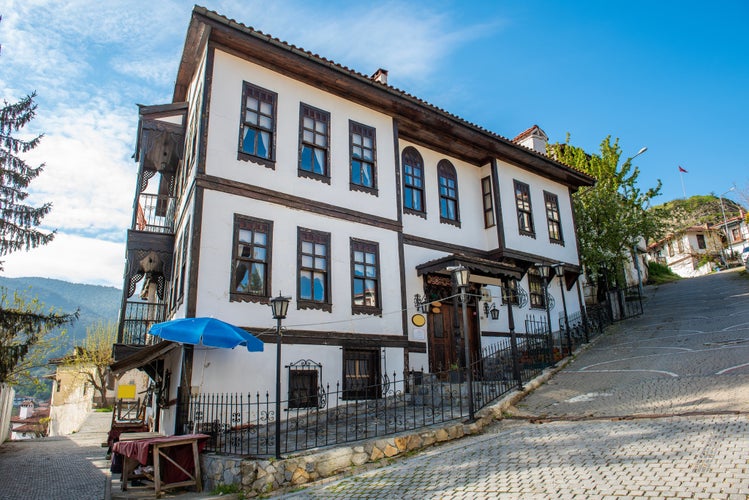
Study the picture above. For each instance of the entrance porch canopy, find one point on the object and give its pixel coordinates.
(476, 265)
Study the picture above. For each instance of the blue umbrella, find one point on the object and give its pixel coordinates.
(206, 331)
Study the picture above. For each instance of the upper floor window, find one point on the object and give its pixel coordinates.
(671, 246)
(680, 245)
(314, 138)
(313, 290)
(700, 242)
(251, 258)
(523, 205)
(536, 289)
(365, 277)
(448, 184)
(363, 158)
(488, 199)
(258, 130)
(736, 234)
(413, 182)
(553, 221)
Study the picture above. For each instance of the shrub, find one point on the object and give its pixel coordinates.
(658, 274)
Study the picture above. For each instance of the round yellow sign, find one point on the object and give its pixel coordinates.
(418, 320)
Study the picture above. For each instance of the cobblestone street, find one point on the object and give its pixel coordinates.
(72, 467)
(656, 408)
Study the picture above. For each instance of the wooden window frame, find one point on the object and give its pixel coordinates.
(309, 400)
(553, 218)
(262, 95)
(524, 208)
(412, 158)
(372, 248)
(371, 388)
(704, 241)
(253, 224)
(361, 130)
(487, 197)
(317, 116)
(513, 295)
(448, 193)
(536, 298)
(316, 238)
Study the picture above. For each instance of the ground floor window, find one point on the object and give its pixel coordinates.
(361, 373)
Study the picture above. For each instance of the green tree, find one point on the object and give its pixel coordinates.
(613, 214)
(92, 359)
(25, 336)
(23, 324)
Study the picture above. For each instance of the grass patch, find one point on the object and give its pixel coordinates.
(659, 274)
(225, 489)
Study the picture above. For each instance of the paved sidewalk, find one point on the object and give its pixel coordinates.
(658, 407)
(72, 467)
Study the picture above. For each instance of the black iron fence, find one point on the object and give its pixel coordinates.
(244, 424)
(317, 416)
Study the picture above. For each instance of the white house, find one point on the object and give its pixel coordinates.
(275, 170)
(690, 252)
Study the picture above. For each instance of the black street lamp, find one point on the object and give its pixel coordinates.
(544, 270)
(460, 276)
(559, 271)
(279, 305)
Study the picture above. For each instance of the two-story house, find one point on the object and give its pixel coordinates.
(277, 170)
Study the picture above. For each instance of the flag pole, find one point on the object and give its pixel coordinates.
(683, 190)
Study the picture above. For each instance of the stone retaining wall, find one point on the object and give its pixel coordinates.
(256, 477)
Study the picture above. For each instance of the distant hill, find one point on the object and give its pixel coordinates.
(96, 303)
(698, 210)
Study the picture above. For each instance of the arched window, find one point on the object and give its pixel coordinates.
(448, 183)
(413, 182)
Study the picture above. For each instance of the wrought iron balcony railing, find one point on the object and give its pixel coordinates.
(137, 320)
(154, 213)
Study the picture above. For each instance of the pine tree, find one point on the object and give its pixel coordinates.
(23, 323)
(19, 221)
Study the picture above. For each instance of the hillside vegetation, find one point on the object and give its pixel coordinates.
(696, 210)
(95, 303)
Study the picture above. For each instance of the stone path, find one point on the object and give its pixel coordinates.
(657, 408)
(72, 467)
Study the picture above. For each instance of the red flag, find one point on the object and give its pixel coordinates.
(682, 170)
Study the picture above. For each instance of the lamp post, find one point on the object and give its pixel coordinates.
(725, 227)
(544, 270)
(635, 257)
(559, 271)
(279, 305)
(460, 276)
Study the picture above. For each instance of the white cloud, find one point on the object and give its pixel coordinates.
(71, 258)
(91, 61)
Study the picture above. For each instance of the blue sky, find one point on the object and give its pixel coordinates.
(672, 76)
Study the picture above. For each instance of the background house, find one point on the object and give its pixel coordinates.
(276, 170)
(690, 252)
(31, 422)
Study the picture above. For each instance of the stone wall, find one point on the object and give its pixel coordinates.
(256, 477)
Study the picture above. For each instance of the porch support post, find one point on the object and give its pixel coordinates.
(507, 293)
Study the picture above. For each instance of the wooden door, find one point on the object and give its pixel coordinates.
(445, 344)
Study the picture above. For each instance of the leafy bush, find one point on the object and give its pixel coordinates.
(659, 273)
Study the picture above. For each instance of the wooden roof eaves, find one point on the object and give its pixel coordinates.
(418, 119)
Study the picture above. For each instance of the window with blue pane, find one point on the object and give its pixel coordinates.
(257, 134)
(413, 182)
(363, 158)
(314, 138)
(448, 190)
(365, 277)
(524, 210)
(313, 290)
(251, 258)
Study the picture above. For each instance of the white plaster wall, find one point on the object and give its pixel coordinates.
(214, 277)
(67, 418)
(539, 245)
(173, 363)
(471, 232)
(225, 108)
(242, 371)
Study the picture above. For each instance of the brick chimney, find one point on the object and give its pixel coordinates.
(533, 138)
(380, 76)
